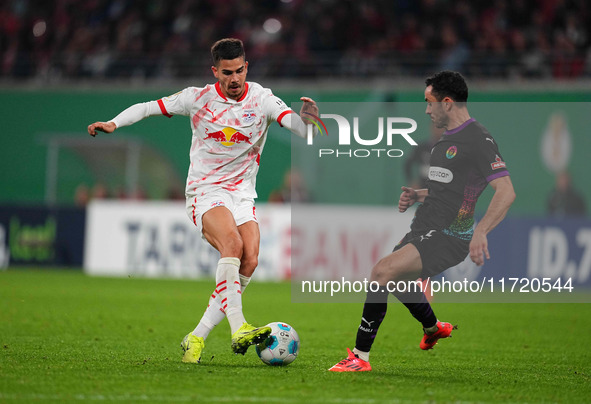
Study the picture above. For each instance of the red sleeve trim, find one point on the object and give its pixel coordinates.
(280, 117)
(163, 109)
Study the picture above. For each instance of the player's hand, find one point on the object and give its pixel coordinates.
(408, 197)
(479, 248)
(106, 127)
(309, 107)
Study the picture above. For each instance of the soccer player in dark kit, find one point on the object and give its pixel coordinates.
(463, 162)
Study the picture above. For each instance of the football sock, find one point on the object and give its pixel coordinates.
(228, 286)
(244, 281)
(431, 330)
(374, 311)
(416, 302)
(214, 314)
(361, 355)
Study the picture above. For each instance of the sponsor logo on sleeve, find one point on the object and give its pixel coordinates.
(281, 104)
(498, 163)
(173, 96)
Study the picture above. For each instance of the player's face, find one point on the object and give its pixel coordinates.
(232, 75)
(435, 109)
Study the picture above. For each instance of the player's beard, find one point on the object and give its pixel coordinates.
(235, 89)
(440, 121)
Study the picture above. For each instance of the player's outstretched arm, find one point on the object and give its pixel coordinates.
(497, 209)
(107, 127)
(129, 116)
(297, 124)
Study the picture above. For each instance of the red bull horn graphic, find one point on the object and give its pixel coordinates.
(228, 137)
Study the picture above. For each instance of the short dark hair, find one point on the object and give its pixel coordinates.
(448, 84)
(227, 49)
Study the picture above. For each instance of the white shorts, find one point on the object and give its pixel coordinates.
(241, 208)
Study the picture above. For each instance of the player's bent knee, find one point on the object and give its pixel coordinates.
(380, 273)
(384, 271)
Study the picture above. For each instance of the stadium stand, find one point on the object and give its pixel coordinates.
(73, 39)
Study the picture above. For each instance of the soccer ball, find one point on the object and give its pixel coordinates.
(281, 347)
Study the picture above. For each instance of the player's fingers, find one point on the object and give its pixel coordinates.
(407, 192)
(91, 130)
(403, 205)
(476, 256)
(307, 99)
(479, 258)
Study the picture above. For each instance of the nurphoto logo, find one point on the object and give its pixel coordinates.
(394, 126)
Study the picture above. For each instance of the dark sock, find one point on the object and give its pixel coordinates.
(374, 311)
(416, 302)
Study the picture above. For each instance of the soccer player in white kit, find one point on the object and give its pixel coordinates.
(229, 120)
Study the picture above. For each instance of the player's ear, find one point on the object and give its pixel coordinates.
(246, 67)
(447, 103)
(215, 71)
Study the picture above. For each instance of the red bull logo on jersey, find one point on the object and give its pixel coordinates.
(228, 137)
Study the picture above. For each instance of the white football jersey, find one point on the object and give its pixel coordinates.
(228, 135)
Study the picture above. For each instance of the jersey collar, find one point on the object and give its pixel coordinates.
(459, 128)
(219, 90)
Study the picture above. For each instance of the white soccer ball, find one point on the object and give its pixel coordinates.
(281, 347)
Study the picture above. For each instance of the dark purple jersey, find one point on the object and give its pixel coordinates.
(462, 164)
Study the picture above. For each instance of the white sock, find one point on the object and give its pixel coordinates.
(244, 281)
(214, 314)
(362, 355)
(228, 286)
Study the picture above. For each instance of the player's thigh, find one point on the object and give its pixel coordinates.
(251, 239)
(402, 264)
(219, 229)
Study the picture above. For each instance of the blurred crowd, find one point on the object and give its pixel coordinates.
(100, 190)
(73, 39)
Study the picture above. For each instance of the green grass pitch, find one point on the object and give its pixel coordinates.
(65, 337)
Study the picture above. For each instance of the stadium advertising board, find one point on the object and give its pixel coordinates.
(328, 251)
(532, 260)
(41, 236)
(157, 239)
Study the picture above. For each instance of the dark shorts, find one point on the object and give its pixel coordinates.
(438, 250)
